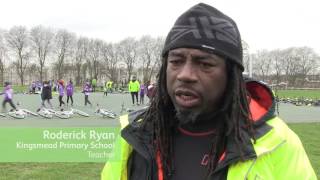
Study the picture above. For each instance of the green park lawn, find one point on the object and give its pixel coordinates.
(308, 132)
(314, 94)
(53, 171)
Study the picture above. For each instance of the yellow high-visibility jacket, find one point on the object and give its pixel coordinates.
(278, 153)
(134, 86)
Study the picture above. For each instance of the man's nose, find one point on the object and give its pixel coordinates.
(187, 73)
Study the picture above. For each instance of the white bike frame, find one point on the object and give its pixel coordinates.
(106, 113)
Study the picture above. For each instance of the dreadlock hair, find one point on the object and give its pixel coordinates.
(234, 111)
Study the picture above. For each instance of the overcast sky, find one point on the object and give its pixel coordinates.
(263, 24)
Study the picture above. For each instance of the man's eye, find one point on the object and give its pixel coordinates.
(206, 65)
(175, 62)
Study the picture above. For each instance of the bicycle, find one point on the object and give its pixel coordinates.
(2, 114)
(45, 113)
(67, 114)
(21, 113)
(77, 111)
(105, 112)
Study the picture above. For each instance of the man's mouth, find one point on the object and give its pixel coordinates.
(187, 98)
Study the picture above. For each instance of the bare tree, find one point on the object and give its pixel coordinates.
(159, 43)
(3, 56)
(149, 54)
(42, 40)
(128, 53)
(307, 59)
(277, 59)
(80, 55)
(246, 56)
(18, 41)
(31, 68)
(262, 64)
(111, 58)
(63, 48)
(94, 57)
(315, 72)
(291, 65)
(84, 70)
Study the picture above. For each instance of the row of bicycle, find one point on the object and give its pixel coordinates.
(62, 114)
(300, 101)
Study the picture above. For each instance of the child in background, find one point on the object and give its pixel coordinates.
(8, 95)
(70, 90)
(46, 94)
(86, 91)
(105, 89)
(61, 92)
(56, 86)
(142, 92)
(151, 91)
(33, 87)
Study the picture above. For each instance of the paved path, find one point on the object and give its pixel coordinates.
(287, 112)
(291, 113)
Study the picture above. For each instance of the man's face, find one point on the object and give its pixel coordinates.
(196, 81)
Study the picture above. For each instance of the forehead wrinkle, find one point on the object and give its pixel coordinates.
(176, 53)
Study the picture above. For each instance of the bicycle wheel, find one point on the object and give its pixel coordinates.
(110, 115)
(29, 112)
(45, 114)
(81, 112)
(16, 115)
(62, 115)
(51, 110)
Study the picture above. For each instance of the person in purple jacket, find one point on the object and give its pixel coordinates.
(61, 92)
(86, 91)
(8, 95)
(70, 90)
(142, 93)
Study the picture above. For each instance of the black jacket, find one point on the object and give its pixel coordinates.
(46, 92)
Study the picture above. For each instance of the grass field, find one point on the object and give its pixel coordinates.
(308, 132)
(53, 171)
(314, 94)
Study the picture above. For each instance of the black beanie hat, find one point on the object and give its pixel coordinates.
(206, 28)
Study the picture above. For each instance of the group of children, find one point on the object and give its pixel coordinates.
(69, 89)
(46, 93)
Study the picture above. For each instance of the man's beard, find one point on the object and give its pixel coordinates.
(194, 117)
(187, 116)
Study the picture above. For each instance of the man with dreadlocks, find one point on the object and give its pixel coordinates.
(206, 122)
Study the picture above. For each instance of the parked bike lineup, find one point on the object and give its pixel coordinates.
(62, 114)
(300, 101)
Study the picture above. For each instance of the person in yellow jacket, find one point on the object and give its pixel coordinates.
(207, 121)
(105, 88)
(110, 84)
(134, 88)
